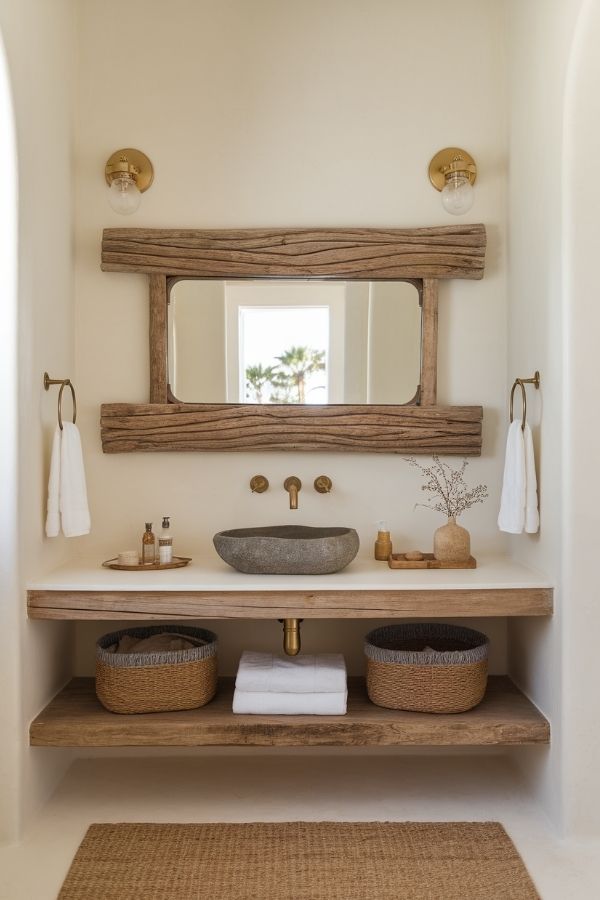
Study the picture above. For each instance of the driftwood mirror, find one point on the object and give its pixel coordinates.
(318, 393)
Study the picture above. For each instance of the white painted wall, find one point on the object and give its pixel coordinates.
(250, 113)
(553, 327)
(581, 434)
(537, 65)
(269, 114)
(9, 451)
(35, 657)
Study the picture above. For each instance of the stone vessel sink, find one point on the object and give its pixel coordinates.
(287, 549)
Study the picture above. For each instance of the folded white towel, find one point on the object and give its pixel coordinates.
(67, 493)
(331, 703)
(53, 512)
(306, 674)
(511, 517)
(518, 504)
(532, 515)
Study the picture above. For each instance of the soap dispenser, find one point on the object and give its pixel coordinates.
(165, 542)
(383, 544)
(148, 546)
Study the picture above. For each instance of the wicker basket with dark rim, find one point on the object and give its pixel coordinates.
(158, 681)
(426, 667)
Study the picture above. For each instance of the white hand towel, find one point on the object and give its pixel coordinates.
(532, 516)
(67, 493)
(53, 511)
(511, 517)
(286, 704)
(306, 674)
(75, 515)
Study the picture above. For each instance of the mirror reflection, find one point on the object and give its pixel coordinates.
(277, 341)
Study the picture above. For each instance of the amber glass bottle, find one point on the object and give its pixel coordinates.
(148, 545)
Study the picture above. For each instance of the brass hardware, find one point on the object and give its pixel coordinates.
(323, 484)
(259, 484)
(522, 382)
(448, 162)
(293, 485)
(130, 162)
(291, 636)
(64, 382)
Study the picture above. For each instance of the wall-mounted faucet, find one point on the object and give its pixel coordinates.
(293, 485)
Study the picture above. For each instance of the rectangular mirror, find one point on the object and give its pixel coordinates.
(294, 342)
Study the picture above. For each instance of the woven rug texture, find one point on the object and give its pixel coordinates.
(299, 861)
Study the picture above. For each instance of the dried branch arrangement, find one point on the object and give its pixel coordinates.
(448, 490)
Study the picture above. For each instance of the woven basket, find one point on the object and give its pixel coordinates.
(156, 681)
(451, 677)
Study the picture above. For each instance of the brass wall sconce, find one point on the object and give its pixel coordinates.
(128, 174)
(453, 172)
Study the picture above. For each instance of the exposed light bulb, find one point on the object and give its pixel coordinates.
(124, 195)
(457, 194)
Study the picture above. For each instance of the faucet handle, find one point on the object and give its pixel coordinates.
(259, 484)
(323, 484)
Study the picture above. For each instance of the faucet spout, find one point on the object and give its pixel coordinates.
(292, 486)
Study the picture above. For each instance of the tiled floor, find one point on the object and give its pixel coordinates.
(237, 786)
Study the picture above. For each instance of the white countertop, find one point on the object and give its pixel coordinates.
(364, 574)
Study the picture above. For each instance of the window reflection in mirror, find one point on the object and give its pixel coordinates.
(277, 341)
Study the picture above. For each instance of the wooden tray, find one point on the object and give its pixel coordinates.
(399, 561)
(176, 563)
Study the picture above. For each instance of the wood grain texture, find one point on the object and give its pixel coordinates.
(158, 339)
(227, 427)
(453, 251)
(75, 718)
(429, 343)
(322, 604)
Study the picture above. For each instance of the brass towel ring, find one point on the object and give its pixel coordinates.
(522, 382)
(64, 382)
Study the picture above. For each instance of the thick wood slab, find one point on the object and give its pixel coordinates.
(230, 427)
(453, 251)
(75, 718)
(332, 604)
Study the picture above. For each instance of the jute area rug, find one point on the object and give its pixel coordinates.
(299, 861)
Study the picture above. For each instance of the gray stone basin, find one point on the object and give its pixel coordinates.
(287, 549)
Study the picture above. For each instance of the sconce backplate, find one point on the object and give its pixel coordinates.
(443, 159)
(136, 158)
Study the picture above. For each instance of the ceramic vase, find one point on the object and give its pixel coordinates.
(452, 543)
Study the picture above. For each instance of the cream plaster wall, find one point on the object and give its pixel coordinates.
(269, 114)
(539, 41)
(38, 38)
(581, 434)
(9, 451)
(251, 114)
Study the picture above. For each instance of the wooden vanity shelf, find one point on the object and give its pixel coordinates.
(79, 605)
(75, 718)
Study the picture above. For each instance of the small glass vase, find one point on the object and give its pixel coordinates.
(452, 543)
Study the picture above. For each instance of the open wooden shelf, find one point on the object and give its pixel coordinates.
(75, 718)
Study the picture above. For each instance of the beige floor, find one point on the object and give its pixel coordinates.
(236, 786)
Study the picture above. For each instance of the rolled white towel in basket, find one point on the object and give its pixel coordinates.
(307, 674)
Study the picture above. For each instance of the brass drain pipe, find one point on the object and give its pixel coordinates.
(291, 636)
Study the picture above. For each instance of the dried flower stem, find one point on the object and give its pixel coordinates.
(447, 487)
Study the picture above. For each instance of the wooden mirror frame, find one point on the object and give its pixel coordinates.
(344, 254)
